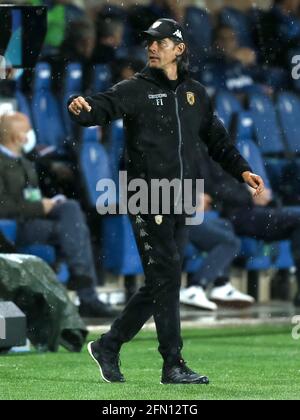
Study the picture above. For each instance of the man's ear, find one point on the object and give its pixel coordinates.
(180, 49)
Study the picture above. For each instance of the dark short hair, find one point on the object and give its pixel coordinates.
(107, 26)
(78, 30)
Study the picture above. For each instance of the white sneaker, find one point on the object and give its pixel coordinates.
(229, 296)
(195, 296)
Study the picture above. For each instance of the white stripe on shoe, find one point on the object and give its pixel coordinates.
(89, 348)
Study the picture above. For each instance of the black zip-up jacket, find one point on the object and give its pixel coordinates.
(164, 128)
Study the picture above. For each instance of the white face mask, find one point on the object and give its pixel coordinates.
(31, 142)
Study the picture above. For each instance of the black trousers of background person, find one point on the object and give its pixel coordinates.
(66, 229)
(161, 247)
(270, 225)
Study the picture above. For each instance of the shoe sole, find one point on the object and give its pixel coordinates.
(187, 383)
(200, 308)
(236, 304)
(89, 348)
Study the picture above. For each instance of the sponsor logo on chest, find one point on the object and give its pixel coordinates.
(159, 98)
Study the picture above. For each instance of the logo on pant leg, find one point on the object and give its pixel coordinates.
(2, 328)
(159, 220)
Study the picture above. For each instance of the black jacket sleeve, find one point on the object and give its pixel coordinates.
(220, 147)
(106, 107)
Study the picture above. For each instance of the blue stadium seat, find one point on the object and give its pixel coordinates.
(72, 86)
(257, 254)
(92, 135)
(102, 78)
(199, 30)
(263, 256)
(116, 149)
(252, 154)
(120, 253)
(294, 69)
(45, 252)
(240, 23)
(9, 229)
(255, 251)
(23, 104)
(288, 105)
(227, 105)
(275, 169)
(285, 259)
(47, 116)
(48, 254)
(193, 258)
(245, 126)
(95, 165)
(266, 125)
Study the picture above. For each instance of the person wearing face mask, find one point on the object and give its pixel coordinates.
(58, 222)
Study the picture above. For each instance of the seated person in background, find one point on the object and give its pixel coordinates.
(125, 69)
(57, 222)
(217, 238)
(230, 66)
(77, 47)
(280, 32)
(110, 33)
(254, 217)
(60, 14)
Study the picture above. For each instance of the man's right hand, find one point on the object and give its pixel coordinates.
(264, 199)
(79, 104)
(48, 205)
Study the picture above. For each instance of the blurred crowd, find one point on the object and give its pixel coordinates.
(253, 55)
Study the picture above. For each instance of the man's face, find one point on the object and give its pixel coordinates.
(20, 131)
(163, 52)
(86, 46)
(227, 41)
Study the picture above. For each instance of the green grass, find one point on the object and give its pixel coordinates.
(242, 363)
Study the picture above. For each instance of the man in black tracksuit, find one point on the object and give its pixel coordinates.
(166, 117)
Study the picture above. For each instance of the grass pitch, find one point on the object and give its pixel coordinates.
(242, 363)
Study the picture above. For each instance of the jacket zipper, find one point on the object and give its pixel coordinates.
(179, 147)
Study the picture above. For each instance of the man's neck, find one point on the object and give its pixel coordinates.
(171, 72)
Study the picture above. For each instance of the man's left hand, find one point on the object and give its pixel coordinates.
(254, 181)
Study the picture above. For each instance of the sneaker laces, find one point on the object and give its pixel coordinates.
(184, 368)
(113, 359)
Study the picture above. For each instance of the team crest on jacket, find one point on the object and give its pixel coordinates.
(191, 98)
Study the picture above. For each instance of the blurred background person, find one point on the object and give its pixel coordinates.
(58, 222)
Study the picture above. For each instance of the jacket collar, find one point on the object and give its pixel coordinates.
(8, 153)
(159, 77)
